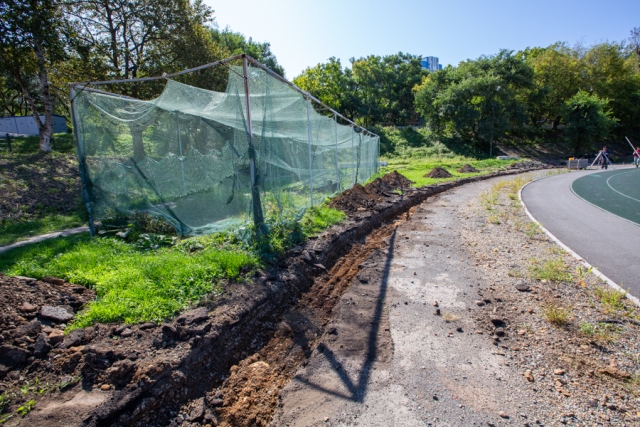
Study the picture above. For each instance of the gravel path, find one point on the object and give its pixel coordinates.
(433, 332)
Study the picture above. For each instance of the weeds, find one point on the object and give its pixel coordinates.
(531, 229)
(554, 270)
(556, 315)
(604, 333)
(610, 298)
(26, 408)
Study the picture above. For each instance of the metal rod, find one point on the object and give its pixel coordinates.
(634, 148)
(309, 149)
(335, 121)
(82, 163)
(102, 92)
(165, 76)
(258, 217)
(184, 186)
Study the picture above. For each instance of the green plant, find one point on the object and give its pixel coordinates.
(587, 328)
(601, 332)
(556, 315)
(610, 298)
(554, 270)
(5, 399)
(26, 408)
(531, 229)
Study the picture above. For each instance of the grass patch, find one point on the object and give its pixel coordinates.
(13, 231)
(610, 298)
(603, 333)
(61, 142)
(414, 168)
(554, 270)
(132, 285)
(141, 276)
(556, 315)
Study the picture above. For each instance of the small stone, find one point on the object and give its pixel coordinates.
(73, 338)
(437, 313)
(28, 308)
(29, 280)
(56, 336)
(42, 346)
(53, 280)
(435, 304)
(592, 403)
(528, 375)
(459, 329)
(127, 332)
(105, 387)
(57, 314)
(522, 287)
(480, 303)
(558, 371)
(615, 373)
(148, 325)
(503, 414)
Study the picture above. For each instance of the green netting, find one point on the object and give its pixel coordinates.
(185, 156)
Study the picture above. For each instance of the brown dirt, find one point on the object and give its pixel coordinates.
(438, 172)
(180, 372)
(36, 184)
(467, 169)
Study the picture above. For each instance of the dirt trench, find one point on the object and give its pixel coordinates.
(224, 363)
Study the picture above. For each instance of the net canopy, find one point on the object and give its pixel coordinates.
(205, 162)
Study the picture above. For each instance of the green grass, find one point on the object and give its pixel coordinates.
(556, 315)
(13, 231)
(414, 168)
(62, 142)
(136, 284)
(132, 285)
(610, 298)
(554, 270)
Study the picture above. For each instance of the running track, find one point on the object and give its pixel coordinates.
(605, 240)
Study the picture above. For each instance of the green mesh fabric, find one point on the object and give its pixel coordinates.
(184, 156)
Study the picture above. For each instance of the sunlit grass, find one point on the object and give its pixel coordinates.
(131, 285)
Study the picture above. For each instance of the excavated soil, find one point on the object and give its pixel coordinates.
(219, 364)
(467, 169)
(438, 173)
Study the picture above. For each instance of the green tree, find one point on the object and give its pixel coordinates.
(32, 37)
(237, 43)
(480, 101)
(588, 120)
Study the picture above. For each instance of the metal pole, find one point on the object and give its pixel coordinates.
(309, 149)
(335, 120)
(82, 163)
(165, 76)
(184, 187)
(353, 160)
(258, 217)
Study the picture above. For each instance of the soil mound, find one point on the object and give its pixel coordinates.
(467, 169)
(396, 180)
(532, 164)
(438, 173)
(359, 198)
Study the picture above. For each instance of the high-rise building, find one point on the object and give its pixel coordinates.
(431, 63)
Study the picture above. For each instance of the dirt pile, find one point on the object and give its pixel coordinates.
(531, 164)
(359, 198)
(438, 173)
(467, 169)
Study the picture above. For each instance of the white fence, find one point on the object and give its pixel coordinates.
(26, 125)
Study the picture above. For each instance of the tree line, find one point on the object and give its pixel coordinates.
(45, 44)
(581, 95)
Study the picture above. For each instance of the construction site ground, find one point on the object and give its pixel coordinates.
(424, 308)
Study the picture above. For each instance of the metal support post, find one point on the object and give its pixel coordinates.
(258, 217)
(310, 155)
(82, 162)
(335, 120)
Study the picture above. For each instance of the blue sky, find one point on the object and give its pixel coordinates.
(304, 33)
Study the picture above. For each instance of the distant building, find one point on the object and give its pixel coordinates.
(431, 63)
(26, 125)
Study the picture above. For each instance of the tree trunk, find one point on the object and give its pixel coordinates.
(46, 128)
(138, 147)
(556, 122)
